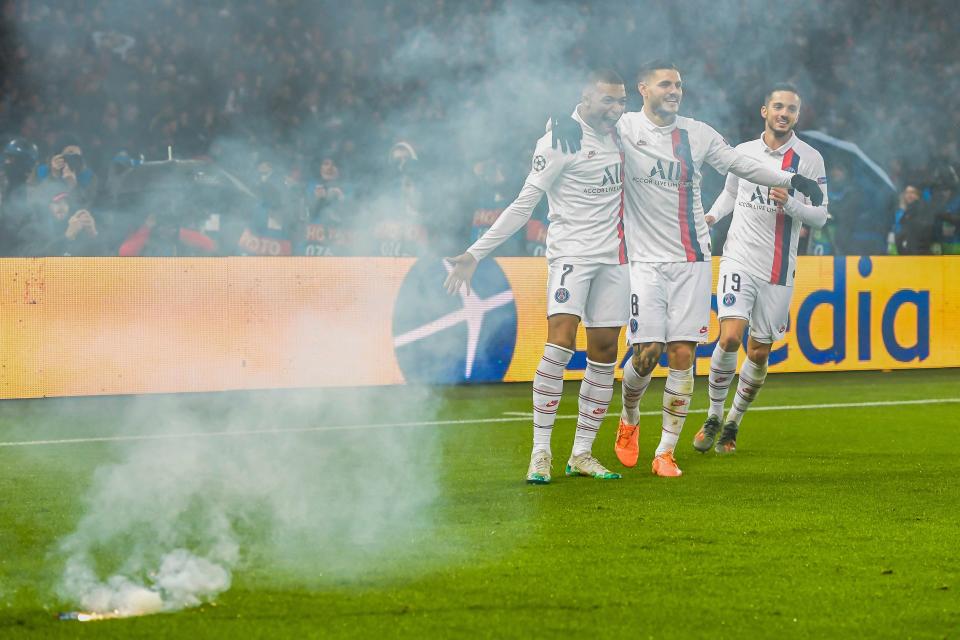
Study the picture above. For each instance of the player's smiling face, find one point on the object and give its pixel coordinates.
(603, 104)
(662, 91)
(781, 112)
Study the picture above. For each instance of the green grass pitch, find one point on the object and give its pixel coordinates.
(833, 522)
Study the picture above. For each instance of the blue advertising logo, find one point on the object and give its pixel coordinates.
(440, 338)
(917, 347)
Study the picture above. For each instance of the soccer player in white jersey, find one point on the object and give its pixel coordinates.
(588, 279)
(758, 264)
(669, 249)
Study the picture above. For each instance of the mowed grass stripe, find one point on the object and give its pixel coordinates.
(514, 416)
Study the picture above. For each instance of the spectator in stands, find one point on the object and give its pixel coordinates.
(328, 229)
(70, 234)
(854, 229)
(908, 196)
(928, 224)
(945, 201)
(18, 196)
(270, 227)
(398, 229)
(165, 237)
(326, 194)
(68, 172)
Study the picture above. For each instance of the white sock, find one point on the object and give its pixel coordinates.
(723, 366)
(751, 379)
(676, 402)
(547, 389)
(634, 386)
(595, 393)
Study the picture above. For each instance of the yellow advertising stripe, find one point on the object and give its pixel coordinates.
(93, 326)
(104, 326)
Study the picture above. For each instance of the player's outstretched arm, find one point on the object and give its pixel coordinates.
(511, 220)
(754, 171)
(725, 159)
(565, 133)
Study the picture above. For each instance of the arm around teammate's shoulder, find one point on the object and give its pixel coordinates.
(725, 159)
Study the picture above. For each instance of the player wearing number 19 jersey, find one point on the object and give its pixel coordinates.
(759, 260)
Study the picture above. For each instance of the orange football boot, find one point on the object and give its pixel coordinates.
(628, 444)
(665, 466)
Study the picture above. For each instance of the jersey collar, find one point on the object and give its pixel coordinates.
(649, 125)
(583, 123)
(783, 149)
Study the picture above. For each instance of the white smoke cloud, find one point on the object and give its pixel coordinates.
(170, 521)
(167, 525)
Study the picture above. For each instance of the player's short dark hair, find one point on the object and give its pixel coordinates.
(654, 65)
(603, 76)
(781, 86)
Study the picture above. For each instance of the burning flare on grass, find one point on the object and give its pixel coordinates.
(83, 616)
(183, 580)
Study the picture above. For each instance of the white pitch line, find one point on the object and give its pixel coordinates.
(438, 423)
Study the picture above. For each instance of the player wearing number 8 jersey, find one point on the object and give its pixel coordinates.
(669, 249)
(755, 283)
(587, 280)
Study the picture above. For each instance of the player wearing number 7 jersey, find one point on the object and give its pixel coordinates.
(758, 264)
(587, 278)
(669, 247)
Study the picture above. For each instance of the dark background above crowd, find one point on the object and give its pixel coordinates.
(401, 128)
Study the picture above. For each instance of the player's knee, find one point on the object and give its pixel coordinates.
(602, 353)
(680, 355)
(729, 342)
(562, 330)
(645, 357)
(759, 353)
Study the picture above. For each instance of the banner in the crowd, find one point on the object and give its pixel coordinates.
(89, 326)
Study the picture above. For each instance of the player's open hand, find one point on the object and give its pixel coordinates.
(464, 265)
(808, 187)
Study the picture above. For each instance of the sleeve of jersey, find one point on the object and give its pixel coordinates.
(798, 205)
(547, 164)
(725, 159)
(725, 202)
(510, 221)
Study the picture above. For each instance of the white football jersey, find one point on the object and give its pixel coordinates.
(585, 196)
(762, 237)
(664, 214)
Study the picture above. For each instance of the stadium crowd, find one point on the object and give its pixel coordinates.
(323, 152)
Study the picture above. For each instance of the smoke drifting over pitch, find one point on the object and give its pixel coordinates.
(185, 516)
(167, 526)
